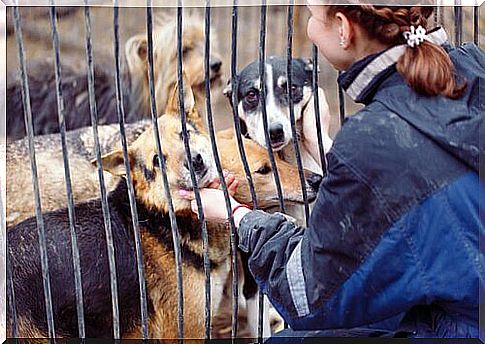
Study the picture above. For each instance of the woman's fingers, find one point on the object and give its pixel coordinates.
(186, 194)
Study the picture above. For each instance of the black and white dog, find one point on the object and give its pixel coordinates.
(248, 90)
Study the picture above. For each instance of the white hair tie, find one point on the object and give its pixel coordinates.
(415, 36)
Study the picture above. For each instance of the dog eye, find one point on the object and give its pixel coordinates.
(155, 160)
(181, 135)
(251, 96)
(265, 169)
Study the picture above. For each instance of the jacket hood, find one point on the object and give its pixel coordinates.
(456, 125)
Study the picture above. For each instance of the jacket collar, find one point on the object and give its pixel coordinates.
(363, 77)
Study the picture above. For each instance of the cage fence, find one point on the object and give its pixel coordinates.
(225, 26)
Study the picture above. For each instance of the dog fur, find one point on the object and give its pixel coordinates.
(159, 263)
(135, 85)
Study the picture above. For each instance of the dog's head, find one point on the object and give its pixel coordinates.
(262, 175)
(144, 161)
(165, 60)
(248, 90)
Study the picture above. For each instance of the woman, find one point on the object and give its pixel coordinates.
(393, 240)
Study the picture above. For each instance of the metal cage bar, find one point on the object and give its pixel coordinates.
(235, 112)
(215, 152)
(316, 106)
(11, 296)
(188, 153)
(289, 84)
(476, 23)
(341, 103)
(458, 23)
(67, 176)
(262, 79)
(35, 180)
(163, 167)
(99, 164)
(129, 182)
(242, 155)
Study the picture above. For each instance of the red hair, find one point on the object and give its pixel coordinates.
(427, 68)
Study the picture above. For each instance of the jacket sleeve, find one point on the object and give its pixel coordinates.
(307, 273)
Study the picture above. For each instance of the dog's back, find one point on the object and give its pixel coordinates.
(43, 101)
(25, 264)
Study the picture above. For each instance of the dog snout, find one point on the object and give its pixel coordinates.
(215, 64)
(276, 133)
(314, 180)
(198, 163)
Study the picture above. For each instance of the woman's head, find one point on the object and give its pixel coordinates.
(347, 33)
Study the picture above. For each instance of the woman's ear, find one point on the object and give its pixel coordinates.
(345, 30)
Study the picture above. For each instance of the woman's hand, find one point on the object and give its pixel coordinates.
(213, 202)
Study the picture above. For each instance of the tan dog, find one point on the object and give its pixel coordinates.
(135, 86)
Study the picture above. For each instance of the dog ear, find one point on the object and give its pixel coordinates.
(113, 163)
(189, 100)
(228, 89)
(136, 49)
(308, 62)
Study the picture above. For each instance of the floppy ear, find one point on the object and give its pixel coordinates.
(189, 100)
(228, 89)
(113, 163)
(136, 55)
(309, 65)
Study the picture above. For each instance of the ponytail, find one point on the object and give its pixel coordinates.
(427, 68)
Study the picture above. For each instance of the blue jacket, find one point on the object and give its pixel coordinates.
(393, 240)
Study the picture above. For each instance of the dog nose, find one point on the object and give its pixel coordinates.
(314, 180)
(276, 133)
(198, 163)
(215, 64)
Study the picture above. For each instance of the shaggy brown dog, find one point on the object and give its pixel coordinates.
(134, 82)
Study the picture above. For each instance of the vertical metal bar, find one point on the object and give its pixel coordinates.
(234, 100)
(262, 79)
(458, 23)
(442, 13)
(242, 155)
(289, 84)
(316, 106)
(67, 175)
(341, 101)
(129, 182)
(35, 179)
(215, 152)
(99, 164)
(195, 187)
(11, 295)
(242, 151)
(476, 20)
(166, 186)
